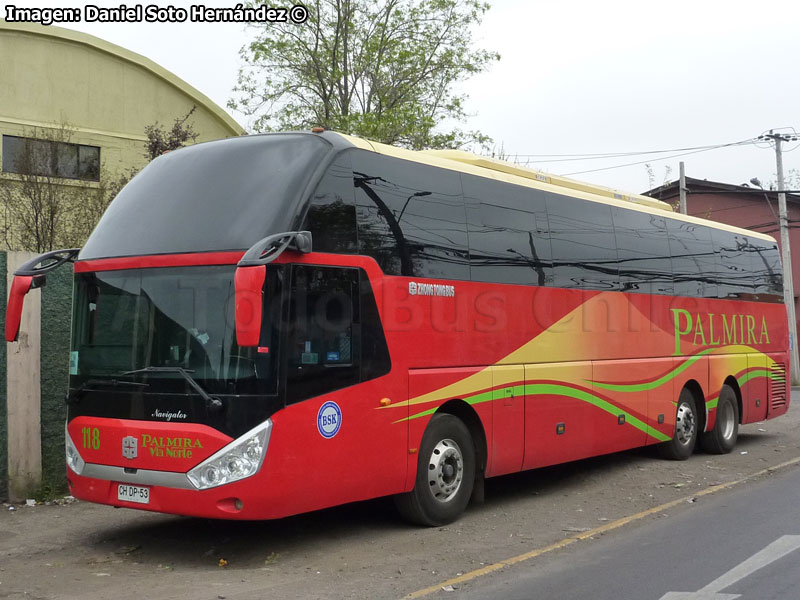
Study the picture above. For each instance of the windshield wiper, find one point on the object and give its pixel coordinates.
(75, 395)
(212, 403)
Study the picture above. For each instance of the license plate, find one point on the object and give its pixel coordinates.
(133, 493)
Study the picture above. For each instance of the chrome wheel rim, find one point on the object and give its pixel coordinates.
(445, 470)
(685, 425)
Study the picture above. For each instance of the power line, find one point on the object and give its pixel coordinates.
(601, 155)
(642, 162)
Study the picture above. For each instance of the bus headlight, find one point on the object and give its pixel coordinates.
(74, 460)
(240, 459)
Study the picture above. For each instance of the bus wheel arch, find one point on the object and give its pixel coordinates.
(447, 468)
(470, 418)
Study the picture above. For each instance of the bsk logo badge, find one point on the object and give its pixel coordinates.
(329, 419)
(130, 447)
(412, 288)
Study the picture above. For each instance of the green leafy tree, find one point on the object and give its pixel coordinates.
(384, 70)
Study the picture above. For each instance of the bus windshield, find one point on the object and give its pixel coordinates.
(182, 318)
(223, 195)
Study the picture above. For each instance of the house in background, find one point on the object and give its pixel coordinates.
(742, 206)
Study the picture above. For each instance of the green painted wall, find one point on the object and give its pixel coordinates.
(3, 415)
(56, 313)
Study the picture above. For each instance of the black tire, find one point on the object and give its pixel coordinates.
(445, 474)
(681, 446)
(722, 438)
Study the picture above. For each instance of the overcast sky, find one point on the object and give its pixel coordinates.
(581, 77)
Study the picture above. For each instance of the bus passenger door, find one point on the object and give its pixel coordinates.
(508, 420)
(344, 432)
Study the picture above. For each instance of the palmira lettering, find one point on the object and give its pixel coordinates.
(170, 447)
(711, 329)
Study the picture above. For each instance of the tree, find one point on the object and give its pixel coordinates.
(52, 200)
(35, 201)
(383, 70)
(160, 141)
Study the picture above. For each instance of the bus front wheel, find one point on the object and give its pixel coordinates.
(681, 446)
(445, 474)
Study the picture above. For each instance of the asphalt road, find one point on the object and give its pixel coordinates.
(744, 543)
(92, 552)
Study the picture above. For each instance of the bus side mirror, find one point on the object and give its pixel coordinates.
(249, 286)
(16, 300)
(29, 276)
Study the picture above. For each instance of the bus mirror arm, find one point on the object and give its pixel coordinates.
(271, 247)
(249, 281)
(44, 263)
(31, 275)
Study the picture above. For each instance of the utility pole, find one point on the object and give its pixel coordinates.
(683, 189)
(788, 285)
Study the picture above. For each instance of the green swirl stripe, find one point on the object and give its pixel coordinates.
(556, 390)
(752, 375)
(584, 396)
(650, 385)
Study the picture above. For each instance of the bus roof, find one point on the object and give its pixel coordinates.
(466, 162)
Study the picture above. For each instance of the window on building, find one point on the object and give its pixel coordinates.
(48, 158)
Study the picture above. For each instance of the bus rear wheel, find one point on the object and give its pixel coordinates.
(681, 446)
(722, 438)
(445, 474)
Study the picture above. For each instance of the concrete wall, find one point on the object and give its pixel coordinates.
(34, 380)
(56, 328)
(23, 407)
(3, 379)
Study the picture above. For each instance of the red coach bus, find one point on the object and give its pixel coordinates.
(274, 324)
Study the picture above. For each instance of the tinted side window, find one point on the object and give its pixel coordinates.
(582, 239)
(735, 276)
(322, 347)
(331, 216)
(508, 237)
(410, 216)
(643, 250)
(767, 266)
(375, 360)
(335, 338)
(693, 265)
